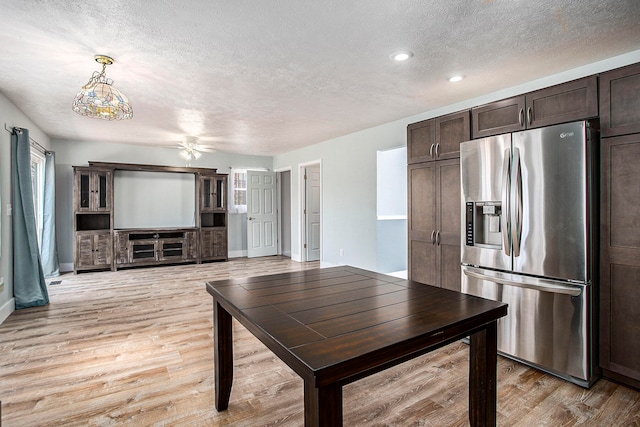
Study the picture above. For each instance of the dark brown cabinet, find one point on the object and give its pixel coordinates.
(438, 138)
(434, 203)
(620, 259)
(620, 101)
(566, 102)
(434, 223)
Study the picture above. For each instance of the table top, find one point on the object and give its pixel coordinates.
(340, 324)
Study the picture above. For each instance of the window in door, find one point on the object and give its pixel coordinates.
(238, 183)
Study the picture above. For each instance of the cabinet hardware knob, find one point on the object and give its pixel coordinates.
(529, 115)
(431, 150)
(433, 236)
(438, 238)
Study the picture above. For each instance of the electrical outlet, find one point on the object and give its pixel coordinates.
(1, 284)
(341, 252)
(9, 209)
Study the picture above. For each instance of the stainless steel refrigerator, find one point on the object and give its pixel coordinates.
(529, 238)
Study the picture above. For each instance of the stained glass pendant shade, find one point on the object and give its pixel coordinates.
(98, 99)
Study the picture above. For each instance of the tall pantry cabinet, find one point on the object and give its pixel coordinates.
(620, 225)
(433, 157)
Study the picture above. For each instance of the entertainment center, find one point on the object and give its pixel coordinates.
(175, 232)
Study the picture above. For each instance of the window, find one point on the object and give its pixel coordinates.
(37, 184)
(238, 182)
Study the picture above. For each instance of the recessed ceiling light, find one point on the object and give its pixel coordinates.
(455, 79)
(402, 55)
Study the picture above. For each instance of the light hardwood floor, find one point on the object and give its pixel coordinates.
(134, 347)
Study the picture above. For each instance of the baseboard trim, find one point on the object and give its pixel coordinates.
(6, 309)
(237, 254)
(66, 266)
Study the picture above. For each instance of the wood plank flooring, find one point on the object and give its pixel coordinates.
(134, 347)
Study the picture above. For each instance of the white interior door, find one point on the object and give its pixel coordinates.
(262, 225)
(312, 212)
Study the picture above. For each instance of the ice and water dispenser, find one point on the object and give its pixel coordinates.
(483, 224)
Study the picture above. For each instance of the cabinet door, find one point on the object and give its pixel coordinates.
(421, 141)
(93, 250)
(213, 243)
(220, 193)
(451, 130)
(498, 117)
(620, 101)
(422, 223)
(563, 103)
(448, 213)
(220, 243)
(103, 244)
(620, 259)
(83, 190)
(213, 193)
(93, 190)
(102, 190)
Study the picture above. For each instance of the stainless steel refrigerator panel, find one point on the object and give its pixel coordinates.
(484, 177)
(549, 178)
(544, 328)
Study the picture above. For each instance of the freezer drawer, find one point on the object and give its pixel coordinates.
(547, 324)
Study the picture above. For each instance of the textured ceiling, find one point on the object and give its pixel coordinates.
(266, 77)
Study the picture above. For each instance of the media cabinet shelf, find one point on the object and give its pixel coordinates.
(99, 246)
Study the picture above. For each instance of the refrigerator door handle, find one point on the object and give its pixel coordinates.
(506, 184)
(516, 203)
(544, 285)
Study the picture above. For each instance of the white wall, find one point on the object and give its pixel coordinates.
(349, 172)
(78, 153)
(10, 117)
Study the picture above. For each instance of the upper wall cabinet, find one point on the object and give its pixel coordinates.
(439, 138)
(620, 101)
(566, 102)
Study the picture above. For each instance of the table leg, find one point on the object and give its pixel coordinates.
(222, 355)
(483, 393)
(322, 406)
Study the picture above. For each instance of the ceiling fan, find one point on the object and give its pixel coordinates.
(191, 149)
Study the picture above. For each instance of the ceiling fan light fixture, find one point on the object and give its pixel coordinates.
(99, 99)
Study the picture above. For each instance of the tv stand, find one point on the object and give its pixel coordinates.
(138, 247)
(99, 246)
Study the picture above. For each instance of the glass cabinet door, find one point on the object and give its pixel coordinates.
(84, 186)
(220, 194)
(207, 193)
(103, 200)
(213, 193)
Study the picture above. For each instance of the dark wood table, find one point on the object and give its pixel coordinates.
(336, 325)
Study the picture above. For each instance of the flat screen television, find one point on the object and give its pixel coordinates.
(154, 199)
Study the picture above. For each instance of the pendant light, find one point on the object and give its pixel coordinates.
(98, 99)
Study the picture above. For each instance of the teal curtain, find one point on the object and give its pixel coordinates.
(48, 249)
(29, 286)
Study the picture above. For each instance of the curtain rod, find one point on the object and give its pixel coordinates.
(33, 141)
